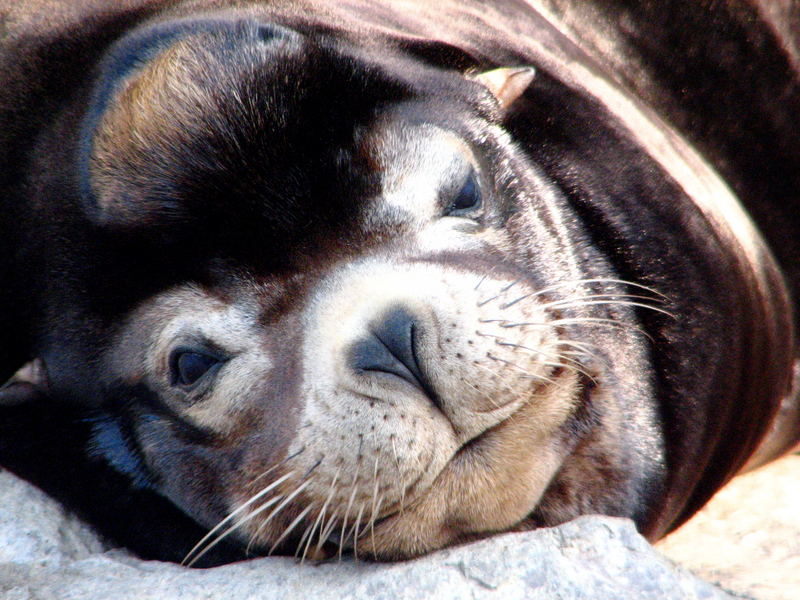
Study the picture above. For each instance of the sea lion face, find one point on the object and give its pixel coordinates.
(389, 361)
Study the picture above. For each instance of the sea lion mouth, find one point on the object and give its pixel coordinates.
(349, 539)
(387, 536)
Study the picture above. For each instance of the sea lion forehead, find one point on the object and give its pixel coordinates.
(218, 121)
(135, 51)
(160, 88)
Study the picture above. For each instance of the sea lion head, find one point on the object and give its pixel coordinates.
(367, 318)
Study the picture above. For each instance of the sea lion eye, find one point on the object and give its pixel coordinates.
(189, 366)
(468, 198)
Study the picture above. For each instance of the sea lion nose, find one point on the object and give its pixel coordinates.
(390, 347)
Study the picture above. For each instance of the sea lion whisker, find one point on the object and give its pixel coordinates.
(566, 321)
(241, 508)
(328, 528)
(582, 350)
(267, 472)
(539, 379)
(261, 508)
(483, 395)
(526, 375)
(238, 524)
(321, 516)
(310, 536)
(509, 324)
(516, 366)
(355, 530)
(282, 462)
(399, 470)
(513, 302)
(480, 281)
(312, 468)
(287, 499)
(600, 321)
(559, 356)
(482, 334)
(572, 301)
(372, 523)
(577, 356)
(485, 302)
(608, 296)
(327, 503)
(306, 535)
(289, 529)
(564, 362)
(356, 524)
(581, 303)
(500, 337)
(611, 281)
(583, 346)
(347, 512)
(575, 367)
(501, 341)
(504, 385)
(374, 486)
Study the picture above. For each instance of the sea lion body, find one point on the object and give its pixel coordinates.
(354, 276)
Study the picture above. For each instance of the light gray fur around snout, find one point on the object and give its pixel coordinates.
(46, 554)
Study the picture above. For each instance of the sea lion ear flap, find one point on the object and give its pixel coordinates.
(506, 84)
(26, 385)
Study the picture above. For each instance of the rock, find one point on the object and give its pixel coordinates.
(34, 528)
(48, 555)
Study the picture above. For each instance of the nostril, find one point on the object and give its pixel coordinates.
(390, 347)
(396, 332)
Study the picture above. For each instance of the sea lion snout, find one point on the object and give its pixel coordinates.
(435, 335)
(411, 384)
(389, 348)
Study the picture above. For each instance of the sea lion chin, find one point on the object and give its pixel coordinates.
(327, 283)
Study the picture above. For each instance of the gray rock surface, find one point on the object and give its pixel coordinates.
(46, 554)
(34, 528)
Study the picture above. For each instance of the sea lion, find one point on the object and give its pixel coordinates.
(359, 278)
